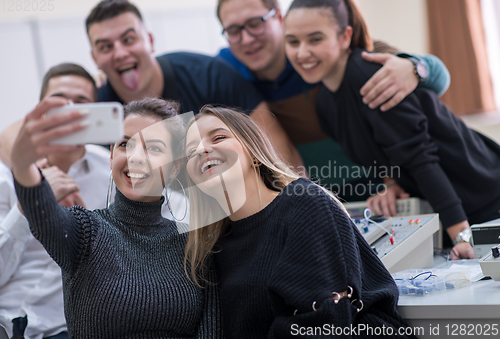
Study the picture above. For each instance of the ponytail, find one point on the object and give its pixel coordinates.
(346, 13)
(360, 34)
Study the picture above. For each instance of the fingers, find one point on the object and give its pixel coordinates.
(387, 202)
(379, 58)
(370, 203)
(385, 207)
(71, 200)
(100, 79)
(44, 106)
(395, 100)
(61, 184)
(78, 200)
(48, 172)
(64, 192)
(32, 141)
(383, 203)
(390, 84)
(403, 195)
(384, 92)
(462, 250)
(43, 163)
(374, 205)
(66, 202)
(367, 90)
(55, 121)
(54, 131)
(470, 253)
(391, 205)
(36, 121)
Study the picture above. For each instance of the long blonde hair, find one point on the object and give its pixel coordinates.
(273, 171)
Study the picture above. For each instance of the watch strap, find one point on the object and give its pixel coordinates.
(419, 68)
(463, 236)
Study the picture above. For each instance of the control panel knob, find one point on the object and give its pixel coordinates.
(495, 252)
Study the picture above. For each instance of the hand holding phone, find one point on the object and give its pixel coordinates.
(34, 138)
(104, 123)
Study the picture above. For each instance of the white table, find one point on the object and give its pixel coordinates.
(467, 310)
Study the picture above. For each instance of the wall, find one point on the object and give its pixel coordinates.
(491, 18)
(402, 24)
(33, 41)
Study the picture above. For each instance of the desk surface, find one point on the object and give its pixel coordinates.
(480, 300)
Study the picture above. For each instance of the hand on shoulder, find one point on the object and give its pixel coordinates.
(390, 84)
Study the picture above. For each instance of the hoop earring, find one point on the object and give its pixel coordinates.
(185, 201)
(110, 190)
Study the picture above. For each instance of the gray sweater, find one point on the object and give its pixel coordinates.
(122, 269)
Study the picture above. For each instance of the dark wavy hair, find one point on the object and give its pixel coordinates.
(109, 9)
(67, 69)
(161, 110)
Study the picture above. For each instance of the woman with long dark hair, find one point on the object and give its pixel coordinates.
(456, 169)
(122, 267)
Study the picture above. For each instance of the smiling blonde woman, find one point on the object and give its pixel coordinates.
(286, 252)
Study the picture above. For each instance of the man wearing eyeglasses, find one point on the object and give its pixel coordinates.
(254, 30)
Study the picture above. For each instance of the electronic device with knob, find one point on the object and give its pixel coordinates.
(490, 263)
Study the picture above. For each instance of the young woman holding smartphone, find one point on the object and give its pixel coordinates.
(122, 267)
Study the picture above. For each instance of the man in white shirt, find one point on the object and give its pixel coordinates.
(30, 281)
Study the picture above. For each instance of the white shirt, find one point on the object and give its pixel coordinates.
(30, 281)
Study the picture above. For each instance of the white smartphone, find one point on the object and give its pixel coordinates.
(105, 123)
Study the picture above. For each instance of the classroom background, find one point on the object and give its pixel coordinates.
(465, 34)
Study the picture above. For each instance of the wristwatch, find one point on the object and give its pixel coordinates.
(463, 236)
(420, 69)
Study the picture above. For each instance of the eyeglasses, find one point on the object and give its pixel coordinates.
(254, 27)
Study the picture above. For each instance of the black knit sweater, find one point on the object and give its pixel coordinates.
(122, 269)
(420, 143)
(297, 250)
